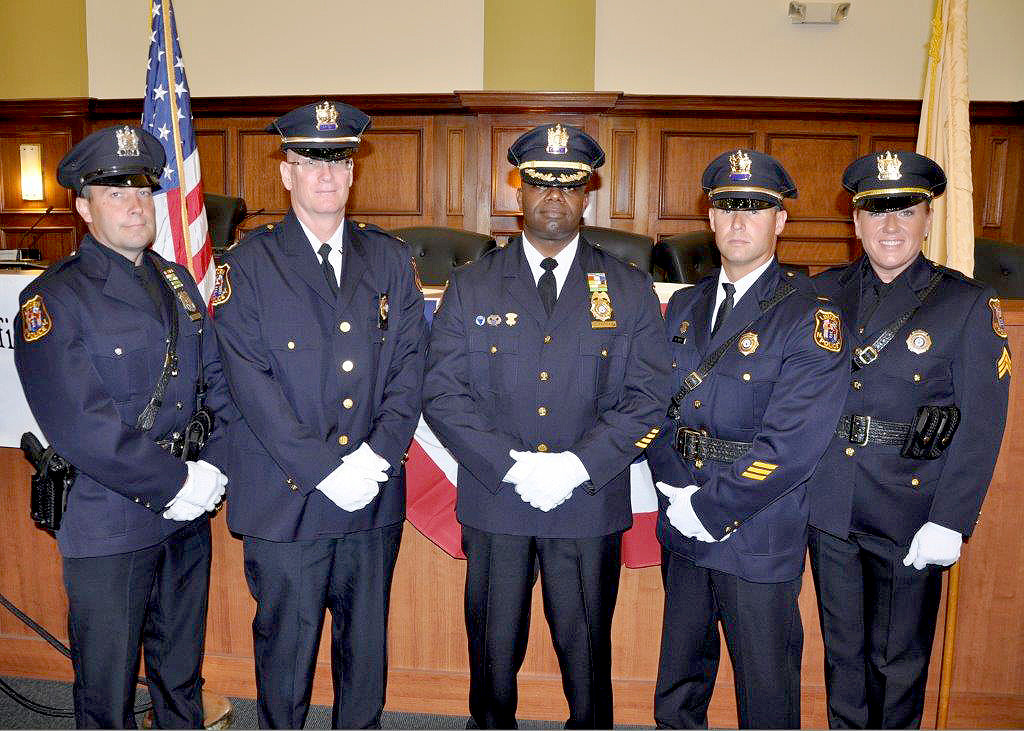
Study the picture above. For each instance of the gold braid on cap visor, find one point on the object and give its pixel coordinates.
(744, 189)
(286, 140)
(891, 191)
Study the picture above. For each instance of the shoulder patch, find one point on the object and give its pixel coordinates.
(416, 274)
(221, 286)
(828, 331)
(35, 320)
(998, 324)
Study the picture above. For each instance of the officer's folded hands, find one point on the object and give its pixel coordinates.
(545, 480)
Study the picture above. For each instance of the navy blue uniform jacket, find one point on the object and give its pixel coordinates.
(602, 390)
(88, 379)
(875, 490)
(315, 376)
(785, 397)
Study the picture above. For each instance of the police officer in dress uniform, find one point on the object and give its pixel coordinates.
(760, 364)
(112, 344)
(546, 377)
(321, 326)
(902, 482)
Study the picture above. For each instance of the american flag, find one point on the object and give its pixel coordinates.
(182, 233)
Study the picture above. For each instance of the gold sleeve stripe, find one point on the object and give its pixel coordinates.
(754, 476)
(766, 465)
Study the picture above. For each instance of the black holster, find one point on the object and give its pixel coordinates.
(50, 484)
(931, 432)
(188, 444)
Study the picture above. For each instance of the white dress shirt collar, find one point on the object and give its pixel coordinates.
(336, 242)
(564, 259)
(742, 285)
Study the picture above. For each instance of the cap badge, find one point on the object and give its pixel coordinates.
(918, 342)
(739, 166)
(748, 343)
(326, 117)
(889, 167)
(558, 140)
(127, 142)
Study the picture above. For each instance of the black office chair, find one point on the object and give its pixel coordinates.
(1000, 264)
(685, 258)
(223, 214)
(631, 248)
(438, 250)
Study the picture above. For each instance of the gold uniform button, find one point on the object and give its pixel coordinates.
(344, 326)
(746, 376)
(696, 404)
(917, 376)
(915, 482)
(178, 405)
(347, 365)
(698, 463)
(542, 411)
(542, 447)
(291, 345)
(347, 403)
(494, 349)
(604, 353)
(674, 364)
(856, 385)
(544, 375)
(118, 351)
(343, 439)
(850, 451)
(547, 339)
(362, 225)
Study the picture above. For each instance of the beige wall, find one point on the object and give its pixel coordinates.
(254, 47)
(42, 49)
(749, 47)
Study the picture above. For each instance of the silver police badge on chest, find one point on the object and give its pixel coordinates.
(918, 342)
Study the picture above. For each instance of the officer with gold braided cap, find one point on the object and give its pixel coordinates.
(545, 379)
(321, 325)
(901, 484)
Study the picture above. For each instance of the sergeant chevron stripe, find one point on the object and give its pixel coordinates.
(1003, 364)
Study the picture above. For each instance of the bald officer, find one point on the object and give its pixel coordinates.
(545, 379)
(113, 349)
(321, 324)
(760, 366)
(902, 482)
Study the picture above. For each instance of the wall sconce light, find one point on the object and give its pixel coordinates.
(31, 172)
(828, 13)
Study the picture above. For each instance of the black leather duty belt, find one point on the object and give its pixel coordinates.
(863, 430)
(695, 445)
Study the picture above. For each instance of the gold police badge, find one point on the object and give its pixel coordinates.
(35, 320)
(918, 342)
(998, 324)
(747, 343)
(601, 310)
(828, 331)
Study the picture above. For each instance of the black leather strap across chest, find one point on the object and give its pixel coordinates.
(869, 354)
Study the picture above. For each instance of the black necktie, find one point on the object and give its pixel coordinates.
(325, 264)
(725, 308)
(546, 285)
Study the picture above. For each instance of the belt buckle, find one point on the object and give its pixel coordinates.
(693, 380)
(867, 356)
(688, 442)
(856, 419)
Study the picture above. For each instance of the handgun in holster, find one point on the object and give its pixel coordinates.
(931, 432)
(50, 484)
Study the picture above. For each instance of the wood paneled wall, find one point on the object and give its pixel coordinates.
(441, 159)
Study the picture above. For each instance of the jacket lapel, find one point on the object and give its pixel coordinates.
(519, 282)
(575, 295)
(702, 312)
(119, 283)
(353, 265)
(302, 259)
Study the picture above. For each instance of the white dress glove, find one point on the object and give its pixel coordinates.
(545, 480)
(203, 489)
(680, 512)
(934, 544)
(354, 483)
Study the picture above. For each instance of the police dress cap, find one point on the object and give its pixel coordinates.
(892, 181)
(744, 180)
(125, 156)
(559, 156)
(326, 130)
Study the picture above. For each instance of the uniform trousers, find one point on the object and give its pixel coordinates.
(877, 622)
(579, 583)
(763, 633)
(293, 583)
(156, 596)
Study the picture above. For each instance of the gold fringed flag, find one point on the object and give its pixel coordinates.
(944, 135)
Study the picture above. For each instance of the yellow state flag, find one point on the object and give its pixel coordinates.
(944, 135)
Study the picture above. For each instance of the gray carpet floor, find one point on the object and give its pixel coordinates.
(58, 695)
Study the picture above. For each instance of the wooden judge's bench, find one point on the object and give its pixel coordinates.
(440, 160)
